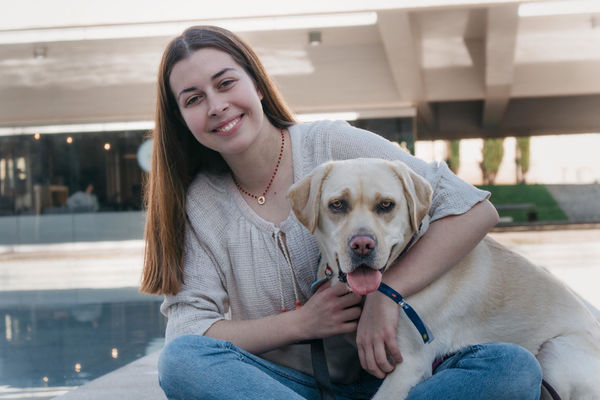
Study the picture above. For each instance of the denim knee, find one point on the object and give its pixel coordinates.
(519, 373)
(182, 358)
(199, 367)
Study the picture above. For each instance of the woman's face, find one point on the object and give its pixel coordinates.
(218, 101)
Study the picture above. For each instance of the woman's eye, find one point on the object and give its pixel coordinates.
(338, 206)
(385, 206)
(192, 100)
(226, 83)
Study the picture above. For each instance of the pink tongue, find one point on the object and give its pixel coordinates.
(364, 280)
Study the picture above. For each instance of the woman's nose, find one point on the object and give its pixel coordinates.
(217, 106)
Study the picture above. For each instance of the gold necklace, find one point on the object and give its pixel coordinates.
(261, 198)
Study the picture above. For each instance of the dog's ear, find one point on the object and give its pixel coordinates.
(417, 191)
(305, 195)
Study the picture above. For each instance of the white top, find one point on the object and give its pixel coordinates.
(235, 266)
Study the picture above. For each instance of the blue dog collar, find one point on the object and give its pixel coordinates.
(410, 312)
(392, 294)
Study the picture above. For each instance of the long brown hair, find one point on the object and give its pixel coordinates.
(177, 156)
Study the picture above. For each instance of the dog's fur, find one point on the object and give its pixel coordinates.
(492, 295)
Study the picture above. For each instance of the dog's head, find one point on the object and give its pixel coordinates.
(363, 212)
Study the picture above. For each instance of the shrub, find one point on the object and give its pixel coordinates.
(453, 160)
(522, 159)
(492, 152)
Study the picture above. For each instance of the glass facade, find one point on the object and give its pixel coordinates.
(39, 172)
(71, 187)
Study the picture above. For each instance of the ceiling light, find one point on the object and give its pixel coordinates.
(543, 8)
(314, 38)
(40, 52)
(78, 128)
(339, 116)
(168, 29)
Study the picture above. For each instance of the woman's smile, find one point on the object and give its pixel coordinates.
(229, 127)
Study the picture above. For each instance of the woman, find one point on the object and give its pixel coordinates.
(236, 266)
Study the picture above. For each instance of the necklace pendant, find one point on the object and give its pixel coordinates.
(261, 200)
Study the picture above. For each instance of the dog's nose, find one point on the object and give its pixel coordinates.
(362, 245)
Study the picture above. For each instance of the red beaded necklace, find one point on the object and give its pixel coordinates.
(261, 198)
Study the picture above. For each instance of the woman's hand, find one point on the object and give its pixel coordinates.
(332, 310)
(376, 336)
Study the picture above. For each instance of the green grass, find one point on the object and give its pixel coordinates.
(545, 205)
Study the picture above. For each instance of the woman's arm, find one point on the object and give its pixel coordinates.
(332, 310)
(445, 243)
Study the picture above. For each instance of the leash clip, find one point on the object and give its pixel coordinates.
(316, 284)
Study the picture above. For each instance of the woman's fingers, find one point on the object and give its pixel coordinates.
(332, 310)
(369, 362)
(381, 358)
(376, 336)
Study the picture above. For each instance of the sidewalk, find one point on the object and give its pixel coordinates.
(581, 203)
(573, 255)
(135, 381)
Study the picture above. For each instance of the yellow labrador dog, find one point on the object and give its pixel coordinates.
(364, 213)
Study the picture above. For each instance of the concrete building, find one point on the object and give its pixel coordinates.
(77, 80)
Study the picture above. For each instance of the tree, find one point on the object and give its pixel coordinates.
(453, 152)
(492, 152)
(522, 158)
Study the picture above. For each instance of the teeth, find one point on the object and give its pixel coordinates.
(229, 126)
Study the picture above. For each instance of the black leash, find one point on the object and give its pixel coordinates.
(317, 349)
(550, 390)
(320, 370)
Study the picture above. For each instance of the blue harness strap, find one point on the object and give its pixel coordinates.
(410, 312)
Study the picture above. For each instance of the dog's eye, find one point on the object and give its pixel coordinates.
(338, 206)
(385, 206)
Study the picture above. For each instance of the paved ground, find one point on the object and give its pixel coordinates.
(581, 203)
(573, 255)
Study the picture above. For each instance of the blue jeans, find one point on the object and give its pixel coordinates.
(199, 367)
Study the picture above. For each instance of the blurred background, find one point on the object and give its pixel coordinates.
(506, 92)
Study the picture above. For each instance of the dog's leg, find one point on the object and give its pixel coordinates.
(413, 369)
(417, 358)
(570, 364)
